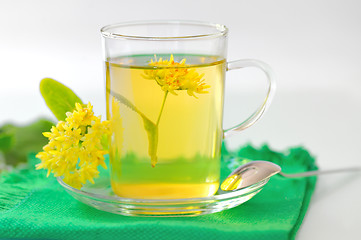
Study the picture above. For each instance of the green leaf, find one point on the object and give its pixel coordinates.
(24, 140)
(59, 98)
(127, 103)
(149, 126)
(152, 132)
(6, 140)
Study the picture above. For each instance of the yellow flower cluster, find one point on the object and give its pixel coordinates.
(171, 76)
(74, 149)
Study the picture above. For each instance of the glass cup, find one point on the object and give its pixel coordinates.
(164, 96)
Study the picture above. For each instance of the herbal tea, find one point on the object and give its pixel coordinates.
(166, 116)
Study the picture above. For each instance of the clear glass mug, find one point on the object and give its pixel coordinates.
(164, 96)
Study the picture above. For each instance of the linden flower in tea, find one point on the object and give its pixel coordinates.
(173, 76)
(74, 149)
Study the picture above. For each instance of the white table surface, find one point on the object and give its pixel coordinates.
(313, 46)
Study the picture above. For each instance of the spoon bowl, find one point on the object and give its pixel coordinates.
(249, 174)
(256, 171)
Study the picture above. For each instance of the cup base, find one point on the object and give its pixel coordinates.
(101, 196)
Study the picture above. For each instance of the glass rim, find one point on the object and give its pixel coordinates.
(221, 30)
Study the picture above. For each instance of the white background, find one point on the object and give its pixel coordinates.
(314, 46)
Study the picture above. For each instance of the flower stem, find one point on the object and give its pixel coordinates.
(161, 110)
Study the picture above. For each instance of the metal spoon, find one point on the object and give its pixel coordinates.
(255, 171)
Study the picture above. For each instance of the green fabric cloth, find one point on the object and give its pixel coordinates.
(35, 207)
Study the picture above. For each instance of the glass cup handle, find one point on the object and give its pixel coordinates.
(271, 87)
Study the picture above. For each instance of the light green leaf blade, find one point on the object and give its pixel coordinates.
(58, 97)
(152, 132)
(149, 126)
(127, 103)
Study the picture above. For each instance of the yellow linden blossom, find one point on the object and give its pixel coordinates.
(171, 76)
(74, 149)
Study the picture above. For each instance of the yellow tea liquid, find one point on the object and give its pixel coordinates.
(189, 129)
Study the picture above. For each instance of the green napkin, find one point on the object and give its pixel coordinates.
(34, 207)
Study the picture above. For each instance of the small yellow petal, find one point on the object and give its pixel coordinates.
(47, 134)
(78, 107)
(60, 139)
(39, 166)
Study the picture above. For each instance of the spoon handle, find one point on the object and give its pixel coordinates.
(314, 173)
